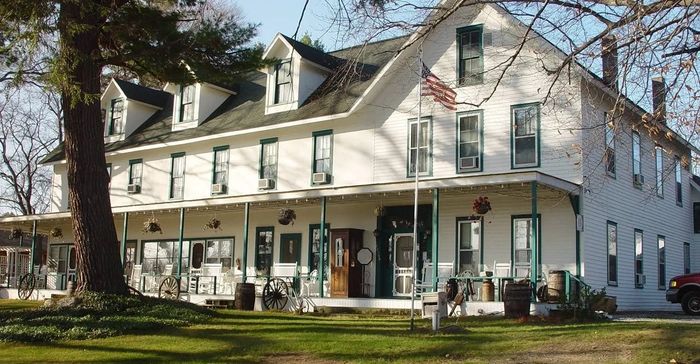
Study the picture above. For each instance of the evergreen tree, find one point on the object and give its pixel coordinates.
(163, 39)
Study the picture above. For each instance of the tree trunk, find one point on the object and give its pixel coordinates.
(97, 250)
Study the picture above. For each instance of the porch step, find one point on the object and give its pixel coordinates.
(218, 303)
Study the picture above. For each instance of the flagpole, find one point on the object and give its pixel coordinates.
(415, 192)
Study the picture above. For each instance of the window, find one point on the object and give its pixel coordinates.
(661, 242)
(323, 141)
(220, 167)
(109, 175)
(187, 103)
(679, 182)
(116, 120)
(58, 259)
(471, 55)
(612, 253)
(522, 244)
(135, 172)
(315, 245)
(469, 245)
(636, 160)
(469, 141)
(283, 82)
(686, 258)
(659, 155)
(177, 175)
(609, 146)
(696, 217)
(160, 257)
(268, 159)
(639, 278)
(220, 252)
(263, 249)
(525, 136)
(422, 150)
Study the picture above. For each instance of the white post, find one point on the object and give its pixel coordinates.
(415, 192)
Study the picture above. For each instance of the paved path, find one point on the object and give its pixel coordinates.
(662, 317)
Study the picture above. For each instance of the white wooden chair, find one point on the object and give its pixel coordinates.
(502, 270)
(207, 281)
(135, 279)
(309, 287)
(445, 271)
(522, 270)
(194, 277)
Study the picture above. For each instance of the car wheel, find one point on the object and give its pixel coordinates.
(691, 303)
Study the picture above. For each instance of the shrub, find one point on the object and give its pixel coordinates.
(582, 306)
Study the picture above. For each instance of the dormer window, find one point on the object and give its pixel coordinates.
(186, 103)
(116, 121)
(283, 82)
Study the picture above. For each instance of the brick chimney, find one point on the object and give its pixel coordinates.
(609, 55)
(658, 97)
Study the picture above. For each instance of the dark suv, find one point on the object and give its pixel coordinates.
(686, 290)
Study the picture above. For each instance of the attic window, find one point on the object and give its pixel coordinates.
(283, 82)
(115, 121)
(186, 103)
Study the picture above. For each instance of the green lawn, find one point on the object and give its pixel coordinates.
(234, 336)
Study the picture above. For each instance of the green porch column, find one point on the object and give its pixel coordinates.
(181, 238)
(535, 251)
(436, 225)
(33, 251)
(124, 235)
(322, 248)
(246, 220)
(576, 205)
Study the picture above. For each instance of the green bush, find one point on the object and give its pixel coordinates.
(94, 315)
(582, 306)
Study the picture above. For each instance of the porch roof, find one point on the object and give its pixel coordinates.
(330, 192)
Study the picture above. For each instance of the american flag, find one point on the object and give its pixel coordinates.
(434, 87)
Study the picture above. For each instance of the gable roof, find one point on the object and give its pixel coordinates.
(314, 55)
(144, 94)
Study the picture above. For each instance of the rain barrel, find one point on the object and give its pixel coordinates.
(516, 300)
(245, 296)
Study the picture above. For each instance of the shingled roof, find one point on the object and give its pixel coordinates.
(246, 109)
(144, 94)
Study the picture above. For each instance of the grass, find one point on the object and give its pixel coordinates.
(234, 336)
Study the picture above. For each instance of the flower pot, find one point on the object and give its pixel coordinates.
(482, 209)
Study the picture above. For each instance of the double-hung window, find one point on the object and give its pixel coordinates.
(523, 241)
(160, 257)
(177, 175)
(696, 217)
(187, 103)
(264, 239)
(323, 147)
(661, 242)
(116, 121)
(639, 278)
(637, 177)
(135, 174)
(268, 160)
(469, 141)
(420, 146)
(469, 245)
(612, 253)
(471, 55)
(659, 156)
(686, 258)
(220, 251)
(283, 82)
(220, 168)
(679, 181)
(315, 246)
(525, 133)
(609, 146)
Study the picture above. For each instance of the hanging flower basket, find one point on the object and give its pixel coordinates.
(286, 216)
(56, 232)
(15, 233)
(152, 226)
(481, 205)
(213, 224)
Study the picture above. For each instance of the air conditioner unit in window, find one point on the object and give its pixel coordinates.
(133, 188)
(266, 184)
(638, 179)
(218, 188)
(320, 178)
(641, 279)
(467, 163)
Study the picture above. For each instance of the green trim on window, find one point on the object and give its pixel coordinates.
(132, 162)
(263, 142)
(538, 154)
(635, 132)
(659, 171)
(612, 174)
(460, 81)
(634, 256)
(457, 242)
(480, 113)
(607, 253)
(429, 173)
(219, 148)
(678, 189)
(313, 154)
(512, 238)
(661, 282)
(257, 247)
(172, 165)
(311, 239)
(111, 118)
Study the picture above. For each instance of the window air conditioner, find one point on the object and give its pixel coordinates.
(265, 184)
(467, 163)
(133, 188)
(320, 178)
(638, 179)
(218, 188)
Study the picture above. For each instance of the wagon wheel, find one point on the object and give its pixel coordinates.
(275, 294)
(134, 292)
(26, 286)
(169, 288)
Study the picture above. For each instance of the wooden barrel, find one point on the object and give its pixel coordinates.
(487, 291)
(516, 300)
(245, 296)
(556, 286)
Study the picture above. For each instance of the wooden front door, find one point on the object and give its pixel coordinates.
(339, 264)
(290, 248)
